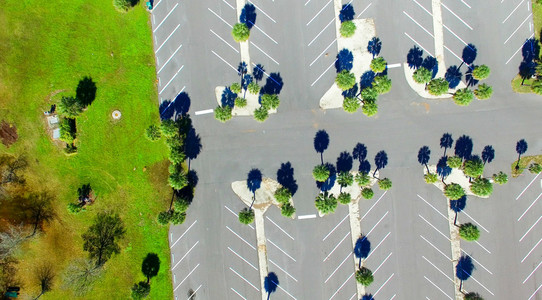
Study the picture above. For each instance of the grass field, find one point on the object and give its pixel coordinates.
(47, 47)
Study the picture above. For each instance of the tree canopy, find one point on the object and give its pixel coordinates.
(367, 193)
(261, 114)
(283, 195)
(348, 28)
(364, 276)
(481, 72)
(473, 167)
(345, 80)
(463, 97)
(351, 105)
(101, 239)
(382, 84)
(384, 184)
(483, 91)
(378, 65)
(422, 75)
(454, 191)
(481, 187)
(325, 203)
(240, 32)
(69, 106)
(469, 232)
(321, 173)
(287, 210)
(454, 162)
(223, 114)
(500, 178)
(152, 133)
(437, 86)
(246, 216)
(270, 101)
(344, 198)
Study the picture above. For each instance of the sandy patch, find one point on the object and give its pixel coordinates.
(456, 176)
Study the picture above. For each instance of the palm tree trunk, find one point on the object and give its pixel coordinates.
(461, 64)
(268, 295)
(522, 81)
(172, 198)
(148, 279)
(455, 219)
(253, 200)
(445, 148)
(427, 168)
(322, 157)
(375, 172)
(517, 165)
(359, 265)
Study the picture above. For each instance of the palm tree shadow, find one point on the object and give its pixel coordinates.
(285, 177)
(248, 15)
(347, 13)
(415, 57)
(271, 282)
(453, 75)
(321, 142)
(330, 182)
(345, 60)
(463, 147)
(273, 84)
(345, 162)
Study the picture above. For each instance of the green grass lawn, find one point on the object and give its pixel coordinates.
(48, 46)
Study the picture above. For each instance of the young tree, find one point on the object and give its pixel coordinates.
(69, 106)
(454, 191)
(481, 187)
(348, 28)
(287, 210)
(430, 178)
(437, 86)
(345, 80)
(240, 32)
(223, 114)
(152, 133)
(382, 84)
(469, 232)
(367, 193)
(500, 178)
(521, 148)
(246, 216)
(481, 72)
(261, 114)
(240, 102)
(369, 108)
(474, 167)
(253, 88)
(321, 173)
(325, 203)
(362, 179)
(454, 162)
(80, 276)
(473, 296)
(164, 217)
(178, 178)
(45, 276)
(101, 239)
(270, 101)
(364, 276)
(150, 266)
(463, 97)
(235, 87)
(351, 105)
(378, 65)
(535, 168)
(536, 87)
(422, 76)
(483, 91)
(283, 195)
(140, 290)
(177, 217)
(344, 198)
(68, 131)
(384, 184)
(169, 128)
(345, 179)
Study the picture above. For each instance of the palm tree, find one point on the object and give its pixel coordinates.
(345, 179)
(364, 276)
(481, 72)
(473, 167)
(521, 148)
(438, 86)
(378, 65)
(326, 203)
(423, 156)
(422, 76)
(463, 97)
(483, 91)
(469, 232)
(454, 191)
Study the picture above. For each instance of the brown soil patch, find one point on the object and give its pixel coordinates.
(8, 133)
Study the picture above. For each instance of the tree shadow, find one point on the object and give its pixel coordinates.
(258, 72)
(442, 167)
(285, 177)
(453, 76)
(463, 147)
(179, 106)
(360, 152)
(330, 182)
(135, 2)
(351, 93)
(471, 81)
(347, 13)
(345, 60)
(270, 283)
(86, 91)
(366, 79)
(254, 180)
(464, 267)
(431, 64)
(344, 162)
(192, 145)
(469, 54)
(374, 46)
(527, 69)
(150, 266)
(521, 146)
(192, 177)
(424, 154)
(84, 192)
(228, 98)
(459, 204)
(248, 15)
(488, 154)
(530, 50)
(367, 297)
(446, 142)
(321, 142)
(273, 84)
(362, 248)
(381, 160)
(364, 166)
(415, 57)
(187, 192)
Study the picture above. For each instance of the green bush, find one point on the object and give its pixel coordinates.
(261, 114)
(344, 198)
(369, 94)
(430, 178)
(235, 87)
(535, 168)
(74, 208)
(500, 178)
(240, 102)
(320, 173)
(140, 290)
(153, 133)
(367, 193)
(351, 105)
(240, 32)
(345, 80)
(246, 216)
(384, 184)
(178, 179)
(469, 232)
(364, 276)
(348, 28)
(287, 210)
(481, 187)
(454, 191)
(283, 195)
(223, 114)
(472, 295)
(454, 162)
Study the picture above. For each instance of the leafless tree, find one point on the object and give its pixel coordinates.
(81, 275)
(39, 209)
(11, 239)
(45, 275)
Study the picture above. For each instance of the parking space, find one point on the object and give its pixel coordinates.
(460, 25)
(377, 228)
(527, 218)
(418, 30)
(517, 26)
(224, 51)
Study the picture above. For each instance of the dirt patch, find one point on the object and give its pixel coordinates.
(8, 133)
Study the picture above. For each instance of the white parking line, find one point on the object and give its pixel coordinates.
(465, 3)
(513, 11)
(155, 6)
(307, 2)
(270, 242)
(220, 17)
(532, 273)
(540, 286)
(186, 277)
(473, 278)
(437, 287)
(528, 17)
(482, 247)
(364, 9)
(228, 4)
(353, 296)
(314, 39)
(521, 47)
(475, 221)
(203, 112)
(423, 8)
(476, 262)
(437, 269)
(393, 297)
(374, 204)
(394, 66)
(336, 246)
(416, 22)
(317, 14)
(367, 235)
(282, 270)
(432, 207)
(327, 235)
(341, 286)
(324, 72)
(457, 36)
(218, 36)
(263, 12)
(312, 63)
(435, 228)
(374, 250)
(174, 7)
(264, 53)
(531, 250)
(249, 244)
(304, 216)
(244, 279)
(383, 285)
(165, 64)
(238, 294)
(172, 79)
(183, 234)
(184, 256)
(418, 44)
(286, 233)
(225, 61)
(530, 228)
(382, 263)
(349, 254)
(236, 215)
(529, 207)
(255, 26)
(285, 291)
(194, 293)
(536, 174)
(179, 25)
(173, 100)
(456, 16)
(435, 247)
(243, 259)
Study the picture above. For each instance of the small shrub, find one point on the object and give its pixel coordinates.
(469, 232)
(240, 32)
(240, 102)
(261, 114)
(140, 290)
(287, 210)
(74, 208)
(348, 28)
(430, 178)
(153, 133)
(535, 168)
(223, 114)
(68, 130)
(500, 178)
(384, 184)
(367, 193)
(283, 195)
(351, 105)
(344, 198)
(169, 128)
